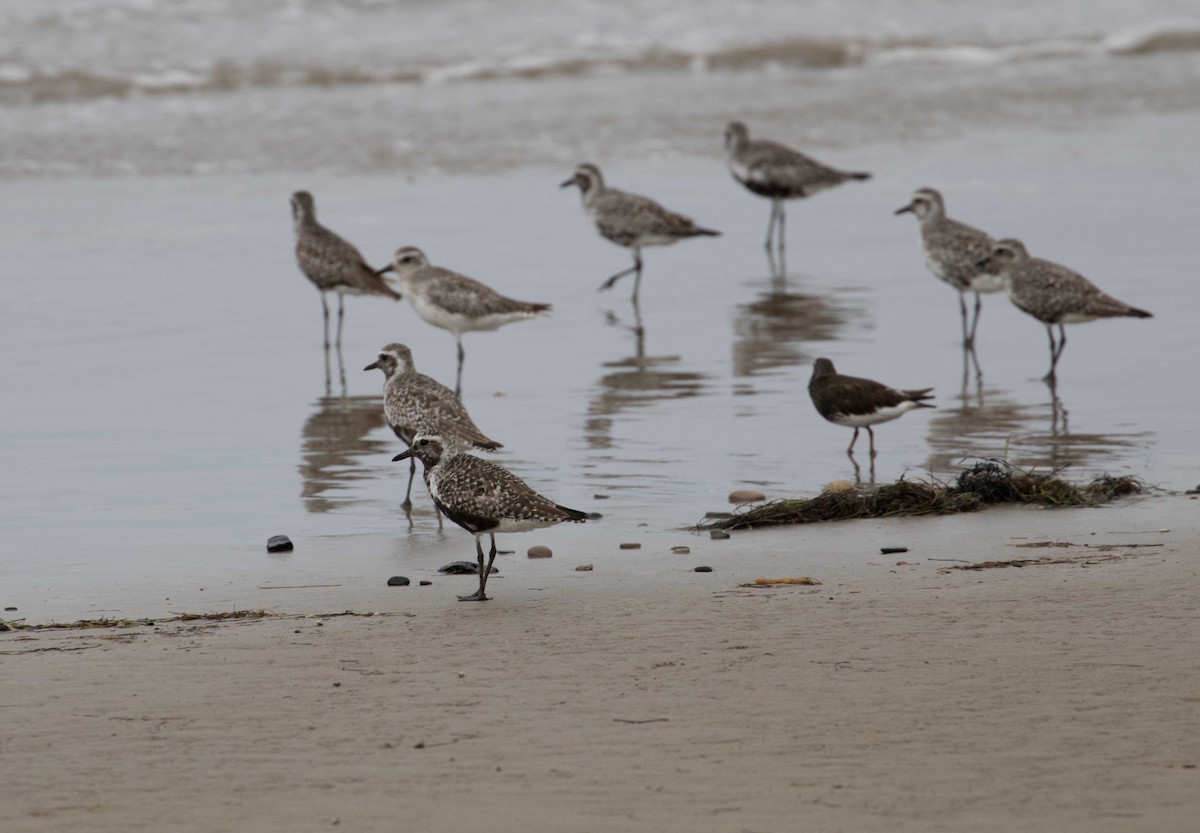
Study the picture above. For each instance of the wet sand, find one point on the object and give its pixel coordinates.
(644, 696)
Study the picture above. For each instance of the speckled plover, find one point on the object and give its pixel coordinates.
(953, 252)
(482, 498)
(455, 302)
(330, 262)
(859, 403)
(1053, 294)
(778, 173)
(630, 220)
(414, 403)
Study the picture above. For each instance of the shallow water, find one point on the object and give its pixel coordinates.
(165, 407)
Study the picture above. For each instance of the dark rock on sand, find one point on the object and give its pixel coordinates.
(398, 581)
(702, 570)
(632, 546)
(279, 543)
(539, 551)
(463, 568)
(891, 550)
(424, 582)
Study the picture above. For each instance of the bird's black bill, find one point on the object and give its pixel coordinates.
(403, 455)
(385, 270)
(568, 183)
(372, 366)
(906, 208)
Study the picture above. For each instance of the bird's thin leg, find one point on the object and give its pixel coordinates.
(871, 434)
(853, 440)
(636, 268)
(487, 571)
(637, 276)
(325, 312)
(962, 305)
(458, 379)
(975, 320)
(412, 472)
(341, 365)
(478, 595)
(782, 237)
(771, 227)
(1054, 351)
(341, 315)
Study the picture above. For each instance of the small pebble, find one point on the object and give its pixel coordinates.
(718, 514)
(424, 582)
(337, 685)
(398, 581)
(279, 543)
(9, 609)
(892, 550)
(505, 552)
(462, 674)
(631, 546)
(702, 570)
(681, 550)
(718, 534)
(584, 568)
(594, 516)
(838, 486)
(600, 497)
(746, 496)
(540, 552)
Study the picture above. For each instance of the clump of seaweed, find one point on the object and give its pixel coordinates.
(986, 483)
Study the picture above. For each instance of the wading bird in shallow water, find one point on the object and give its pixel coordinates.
(859, 403)
(482, 498)
(455, 302)
(630, 220)
(1053, 294)
(331, 263)
(414, 403)
(954, 253)
(778, 173)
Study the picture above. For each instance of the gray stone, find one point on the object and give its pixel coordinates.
(398, 581)
(279, 543)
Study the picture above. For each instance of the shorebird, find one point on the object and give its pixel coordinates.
(1053, 294)
(778, 173)
(414, 403)
(630, 220)
(953, 252)
(330, 262)
(859, 403)
(455, 302)
(482, 498)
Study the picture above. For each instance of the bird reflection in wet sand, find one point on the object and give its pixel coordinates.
(1026, 435)
(334, 440)
(636, 382)
(771, 330)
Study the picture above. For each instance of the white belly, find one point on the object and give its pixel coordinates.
(882, 415)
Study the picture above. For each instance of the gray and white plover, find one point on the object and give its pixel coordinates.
(1053, 294)
(414, 403)
(859, 403)
(778, 173)
(483, 498)
(953, 252)
(332, 263)
(630, 220)
(455, 302)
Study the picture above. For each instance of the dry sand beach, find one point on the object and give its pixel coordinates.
(166, 409)
(897, 695)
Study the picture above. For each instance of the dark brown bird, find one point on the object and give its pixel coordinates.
(859, 403)
(330, 262)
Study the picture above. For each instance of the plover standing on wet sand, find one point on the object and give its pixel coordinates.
(330, 262)
(1053, 294)
(455, 302)
(482, 498)
(777, 172)
(953, 252)
(414, 403)
(630, 220)
(859, 403)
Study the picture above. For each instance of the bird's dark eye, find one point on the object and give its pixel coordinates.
(423, 442)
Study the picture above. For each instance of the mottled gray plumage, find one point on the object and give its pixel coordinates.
(630, 220)
(778, 172)
(954, 253)
(414, 403)
(1053, 294)
(859, 403)
(483, 498)
(455, 302)
(330, 262)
